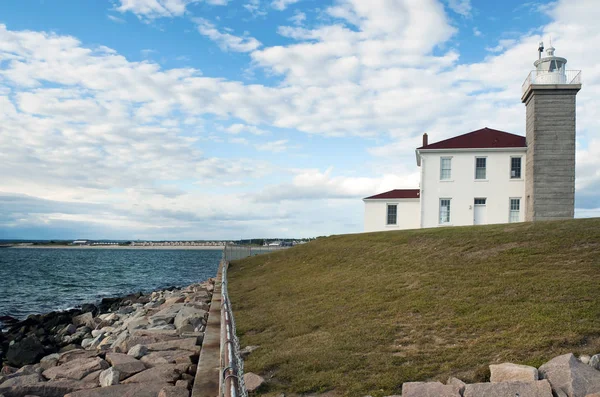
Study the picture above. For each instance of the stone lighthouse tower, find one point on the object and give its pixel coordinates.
(549, 95)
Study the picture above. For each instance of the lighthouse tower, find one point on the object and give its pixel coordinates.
(549, 95)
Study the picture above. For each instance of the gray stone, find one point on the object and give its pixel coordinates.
(68, 330)
(132, 390)
(540, 388)
(93, 378)
(97, 332)
(29, 370)
(452, 381)
(571, 376)
(176, 344)
(168, 357)
(253, 381)
(136, 323)
(76, 369)
(183, 383)
(125, 364)
(174, 391)
(246, 351)
(138, 351)
(166, 314)
(75, 354)
(86, 319)
(190, 315)
(27, 351)
(595, 361)
(429, 389)
(87, 342)
(46, 389)
(49, 361)
(584, 358)
(121, 339)
(508, 372)
(109, 377)
(22, 380)
(167, 373)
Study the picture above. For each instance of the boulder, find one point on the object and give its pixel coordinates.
(136, 323)
(145, 338)
(49, 361)
(584, 358)
(253, 381)
(167, 373)
(131, 390)
(138, 351)
(190, 315)
(46, 389)
(540, 388)
(183, 383)
(429, 389)
(27, 351)
(76, 369)
(246, 351)
(174, 391)
(457, 383)
(595, 361)
(87, 342)
(75, 355)
(166, 314)
(168, 357)
(508, 372)
(22, 380)
(109, 377)
(93, 378)
(125, 364)
(176, 344)
(85, 319)
(570, 376)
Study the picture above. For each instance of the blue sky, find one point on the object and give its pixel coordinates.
(209, 119)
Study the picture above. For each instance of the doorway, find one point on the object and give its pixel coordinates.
(480, 211)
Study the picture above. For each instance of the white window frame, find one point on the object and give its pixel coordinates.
(480, 198)
(449, 178)
(387, 214)
(485, 178)
(515, 178)
(510, 210)
(449, 211)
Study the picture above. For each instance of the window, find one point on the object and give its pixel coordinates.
(392, 214)
(515, 208)
(480, 163)
(515, 168)
(445, 168)
(479, 201)
(444, 211)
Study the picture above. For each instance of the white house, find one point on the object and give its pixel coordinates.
(489, 176)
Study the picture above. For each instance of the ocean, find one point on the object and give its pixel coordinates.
(42, 280)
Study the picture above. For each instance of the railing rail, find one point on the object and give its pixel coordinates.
(558, 77)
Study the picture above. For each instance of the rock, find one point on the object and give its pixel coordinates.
(93, 378)
(121, 339)
(428, 389)
(22, 380)
(87, 342)
(138, 351)
(46, 389)
(595, 361)
(27, 351)
(569, 375)
(166, 314)
(7, 370)
(145, 338)
(508, 372)
(96, 342)
(109, 377)
(167, 373)
(86, 319)
(75, 355)
(76, 369)
(29, 370)
(584, 359)
(125, 364)
(96, 332)
(136, 323)
(174, 391)
(246, 351)
(49, 361)
(68, 330)
(168, 357)
(457, 383)
(183, 383)
(254, 381)
(189, 315)
(129, 390)
(177, 344)
(540, 388)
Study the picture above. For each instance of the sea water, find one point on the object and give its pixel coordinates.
(41, 280)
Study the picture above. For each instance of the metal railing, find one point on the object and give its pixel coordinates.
(234, 252)
(232, 364)
(545, 77)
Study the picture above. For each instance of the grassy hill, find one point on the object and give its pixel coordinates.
(361, 314)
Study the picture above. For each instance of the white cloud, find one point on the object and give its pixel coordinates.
(477, 32)
(273, 146)
(462, 7)
(226, 41)
(115, 19)
(282, 4)
(152, 9)
(241, 128)
(298, 18)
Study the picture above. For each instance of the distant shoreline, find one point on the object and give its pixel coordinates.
(121, 247)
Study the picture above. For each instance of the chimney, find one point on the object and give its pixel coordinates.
(425, 139)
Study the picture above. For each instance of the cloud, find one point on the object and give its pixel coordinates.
(241, 128)
(226, 41)
(477, 32)
(273, 146)
(461, 7)
(281, 5)
(152, 9)
(298, 18)
(115, 19)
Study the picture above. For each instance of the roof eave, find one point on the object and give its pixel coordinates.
(483, 149)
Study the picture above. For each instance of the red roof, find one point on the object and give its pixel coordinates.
(397, 194)
(480, 139)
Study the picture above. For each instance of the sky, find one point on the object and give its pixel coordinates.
(230, 119)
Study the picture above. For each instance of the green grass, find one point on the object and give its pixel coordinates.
(361, 314)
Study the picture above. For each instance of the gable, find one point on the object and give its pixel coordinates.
(485, 138)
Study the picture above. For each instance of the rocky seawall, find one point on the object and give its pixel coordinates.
(138, 345)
